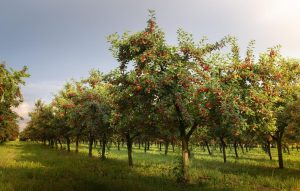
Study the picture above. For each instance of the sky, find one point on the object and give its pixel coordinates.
(63, 39)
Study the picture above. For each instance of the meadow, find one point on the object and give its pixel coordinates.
(32, 166)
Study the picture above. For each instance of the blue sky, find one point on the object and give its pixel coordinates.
(63, 39)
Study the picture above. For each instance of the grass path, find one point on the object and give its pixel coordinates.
(29, 166)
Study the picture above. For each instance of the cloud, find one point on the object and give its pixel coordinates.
(23, 110)
(43, 90)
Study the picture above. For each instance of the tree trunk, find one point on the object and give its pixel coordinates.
(288, 149)
(185, 159)
(91, 140)
(129, 149)
(223, 144)
(207, 146)
(184, 140)
(108, 144)
(269, 150)
(145, 147)
(235, 150)
(166, 147)
(118, 145)
(279, 150)
(242, 147)
(68, 144)
(159, 146)
(60, 144)
(103, 157)
(173, 146)
(76, 144)
(51, 143)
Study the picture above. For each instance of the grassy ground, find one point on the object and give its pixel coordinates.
(30, 166)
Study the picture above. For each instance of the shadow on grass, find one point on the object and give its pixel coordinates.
(237, 167)
(38, 167)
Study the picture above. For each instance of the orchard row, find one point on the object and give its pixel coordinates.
(186, 94)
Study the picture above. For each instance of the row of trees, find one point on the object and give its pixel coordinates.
(191, 93)
(10, 97)
(81, 111)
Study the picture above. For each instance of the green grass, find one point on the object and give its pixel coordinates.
(30, 166)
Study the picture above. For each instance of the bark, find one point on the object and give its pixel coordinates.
(91, 140)
(223, 145)
(207, 146)
(68, 144)
(184, 140)
(242, 147)
(108, 145)
(288, 149)
(166, 147)
(185, 159)
(60, 143)
(129, 149)
(76, 144)
(269, 150)
(104, 141)
(279, 150)
(235, 150)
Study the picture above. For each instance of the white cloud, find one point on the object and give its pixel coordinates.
(43, 90)
(23, 110)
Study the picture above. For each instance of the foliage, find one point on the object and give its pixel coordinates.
(10, 97)
(193, 93)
